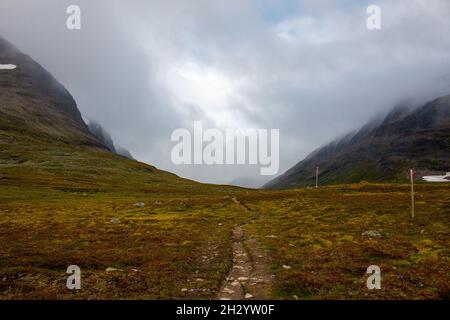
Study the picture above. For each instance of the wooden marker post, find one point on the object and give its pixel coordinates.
(411, 174)
(317, 177)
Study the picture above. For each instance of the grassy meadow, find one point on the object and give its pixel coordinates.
(62, 206)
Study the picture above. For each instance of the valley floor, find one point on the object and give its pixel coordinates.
(297, 244)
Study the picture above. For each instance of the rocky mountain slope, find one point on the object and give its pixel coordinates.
(381, 150)
(45, 142)
(34, 104)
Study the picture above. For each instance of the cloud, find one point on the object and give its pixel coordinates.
(310, 68)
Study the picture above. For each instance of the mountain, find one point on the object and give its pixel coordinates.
(124, 153)
(34, 104)
(97, 130)
(382, 150)
(45, 144)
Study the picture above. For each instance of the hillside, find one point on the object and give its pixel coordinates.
(44, 141)
(34, 105)
(381, 150)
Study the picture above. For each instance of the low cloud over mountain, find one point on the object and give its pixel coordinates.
(381, 151)
(309, 68)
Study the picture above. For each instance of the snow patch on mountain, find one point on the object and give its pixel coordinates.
(7, 66)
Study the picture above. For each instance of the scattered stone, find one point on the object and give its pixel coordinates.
(111, 269)
(139, 205)
(235, 283)
(224, 299)
(243, 278)
(158, 203)
(135, 270)
(115, 220)
(198, 290)
(372, 234)
(248, 296)
(295, 297)
(227, 291)
(238, 267)
(287, 267)
(422, 231)
(184, 290)
(199, 280)
(271, 236)
(220, 224)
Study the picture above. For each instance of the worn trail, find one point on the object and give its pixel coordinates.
(248, 278)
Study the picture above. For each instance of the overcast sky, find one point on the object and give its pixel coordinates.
(310, 68)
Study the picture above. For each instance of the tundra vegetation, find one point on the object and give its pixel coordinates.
(137, 232)
(64, 205)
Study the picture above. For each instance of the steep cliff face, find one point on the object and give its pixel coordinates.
(381, 150)
(45, 144)
(34, 104)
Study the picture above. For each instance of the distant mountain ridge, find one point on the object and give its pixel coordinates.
(382, 150)
(97, 130)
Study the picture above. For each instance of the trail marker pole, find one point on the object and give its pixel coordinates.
(411, 174)
(317, 177)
